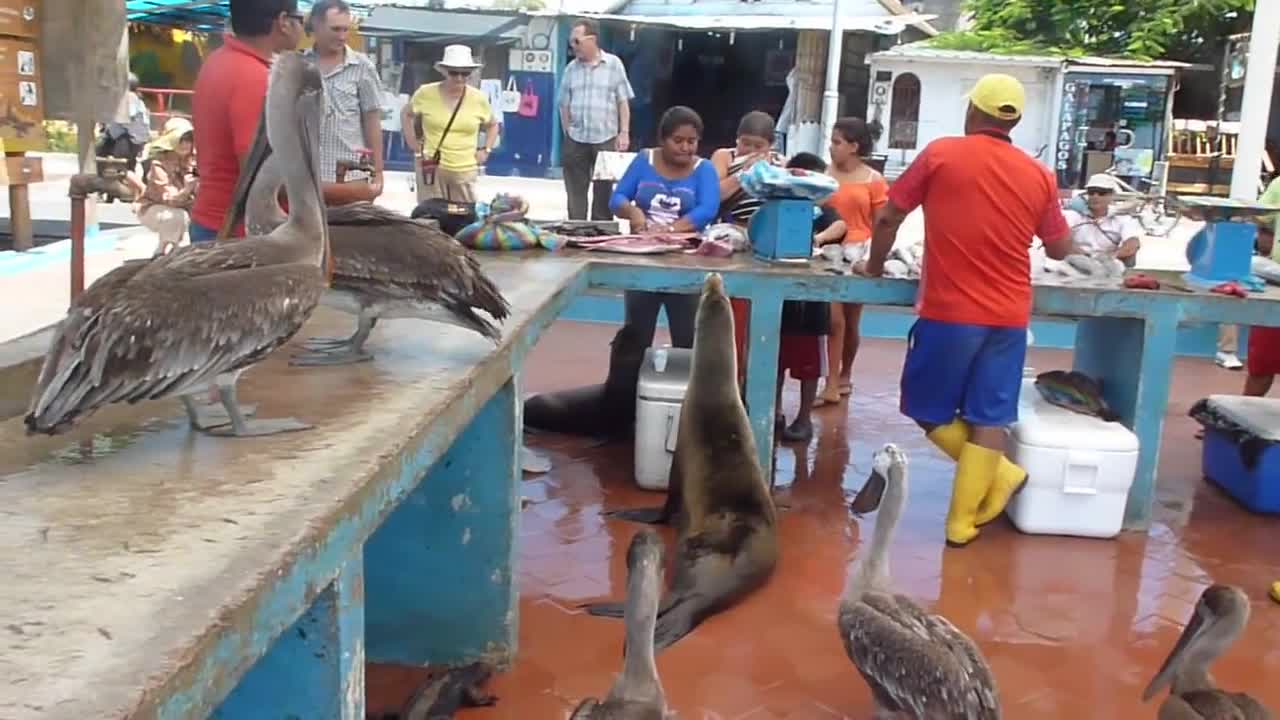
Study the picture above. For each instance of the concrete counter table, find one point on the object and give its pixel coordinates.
(153, 572)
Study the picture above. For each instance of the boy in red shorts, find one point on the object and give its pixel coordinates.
(801, 353)
(983, 199)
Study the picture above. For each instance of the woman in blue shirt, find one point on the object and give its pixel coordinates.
(667, 189)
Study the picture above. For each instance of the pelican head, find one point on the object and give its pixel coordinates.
(645, 552)
(1219, 617)
(887, 462)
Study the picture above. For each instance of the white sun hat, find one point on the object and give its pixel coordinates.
(457, 57)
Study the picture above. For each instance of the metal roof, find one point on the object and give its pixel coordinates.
(881, 23)
(924, 51)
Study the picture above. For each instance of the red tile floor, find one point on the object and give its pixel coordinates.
(1073, 628)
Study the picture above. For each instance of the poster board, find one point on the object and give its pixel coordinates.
(21, 89)
(21, 96)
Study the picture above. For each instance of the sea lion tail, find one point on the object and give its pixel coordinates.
(613, 610)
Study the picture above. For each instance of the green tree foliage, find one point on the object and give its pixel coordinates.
(1144, 29)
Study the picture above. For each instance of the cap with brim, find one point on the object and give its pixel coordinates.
(457, 57)
(169, 137)
(998, 95)
(1100, 181)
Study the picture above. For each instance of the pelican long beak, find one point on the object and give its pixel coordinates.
(868, 498)
(259, 151)
(1191, 635)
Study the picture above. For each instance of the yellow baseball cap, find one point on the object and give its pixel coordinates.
(999, 95)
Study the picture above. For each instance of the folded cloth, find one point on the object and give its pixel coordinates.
(766, 182)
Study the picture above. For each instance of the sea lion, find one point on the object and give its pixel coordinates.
(446, 691)
(726, 520)
(607, 409)
(637, 693)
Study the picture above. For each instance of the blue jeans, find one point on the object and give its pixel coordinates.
(200, 234)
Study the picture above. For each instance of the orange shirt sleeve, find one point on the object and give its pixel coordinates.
(879, 193)
(910, 187)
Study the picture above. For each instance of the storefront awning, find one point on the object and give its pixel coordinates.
(884, 24)
(444, 25)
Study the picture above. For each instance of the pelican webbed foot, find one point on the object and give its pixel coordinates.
(205, 416)
(325, 344)
(242, 427)
(338, 356)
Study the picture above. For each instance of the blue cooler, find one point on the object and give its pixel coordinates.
(782, 230)
(1256, 485)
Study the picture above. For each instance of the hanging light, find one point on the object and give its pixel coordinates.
(680, 43)
(633, 33)
(733, 36)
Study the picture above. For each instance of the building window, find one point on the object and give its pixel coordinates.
(904, 112)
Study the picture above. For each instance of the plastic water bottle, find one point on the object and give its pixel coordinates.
(660, 360)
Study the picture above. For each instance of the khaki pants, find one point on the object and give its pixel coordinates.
(1227, 338)
(169, 223)
(450, 185)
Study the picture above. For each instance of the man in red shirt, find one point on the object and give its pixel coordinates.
(227, 103)
(983, 199)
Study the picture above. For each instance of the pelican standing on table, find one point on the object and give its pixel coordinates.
(204, 313)
(385, 264)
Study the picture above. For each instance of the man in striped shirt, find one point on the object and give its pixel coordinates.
(595, 113)
(353, 113)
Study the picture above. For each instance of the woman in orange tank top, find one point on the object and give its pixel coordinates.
(862, 192)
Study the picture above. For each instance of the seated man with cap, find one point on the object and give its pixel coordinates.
(1096, 231)
(984, 199)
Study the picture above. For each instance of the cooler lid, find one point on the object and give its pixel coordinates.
(1258, 415)
(665, 374)
(1041, 424)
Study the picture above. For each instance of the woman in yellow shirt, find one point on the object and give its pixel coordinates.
(452, 114)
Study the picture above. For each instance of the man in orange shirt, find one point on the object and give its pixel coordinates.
(983, 200)
(227, 103)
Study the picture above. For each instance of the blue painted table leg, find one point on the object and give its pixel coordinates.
(315, 669)
(1133, 358)
(762, 373)
(439, 570)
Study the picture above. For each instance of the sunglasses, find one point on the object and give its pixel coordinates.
(458, 73)
(1096, 191)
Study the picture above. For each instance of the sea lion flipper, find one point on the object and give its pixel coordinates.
(649, 516)
(678, 618)
(658, 515)
(609, 609)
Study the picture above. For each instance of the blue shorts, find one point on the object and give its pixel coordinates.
(200, 234)
(973, 371)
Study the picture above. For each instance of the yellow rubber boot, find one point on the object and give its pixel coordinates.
(1275, 591)
(951, 439)
(1009, 480)
(975, 473)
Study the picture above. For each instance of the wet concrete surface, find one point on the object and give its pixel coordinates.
(1073, 628)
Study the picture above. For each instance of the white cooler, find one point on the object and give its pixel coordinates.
(664, 377)
(1080, 469)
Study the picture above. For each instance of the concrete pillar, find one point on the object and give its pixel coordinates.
(1255, 107)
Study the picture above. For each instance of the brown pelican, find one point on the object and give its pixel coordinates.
(637, 693)
(385, 265)
(915, 662)
(1216, 622)
(199, 316)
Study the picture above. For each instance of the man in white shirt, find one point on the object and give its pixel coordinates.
(1098, 232)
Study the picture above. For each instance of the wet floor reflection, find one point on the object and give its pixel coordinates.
(1073, 628)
